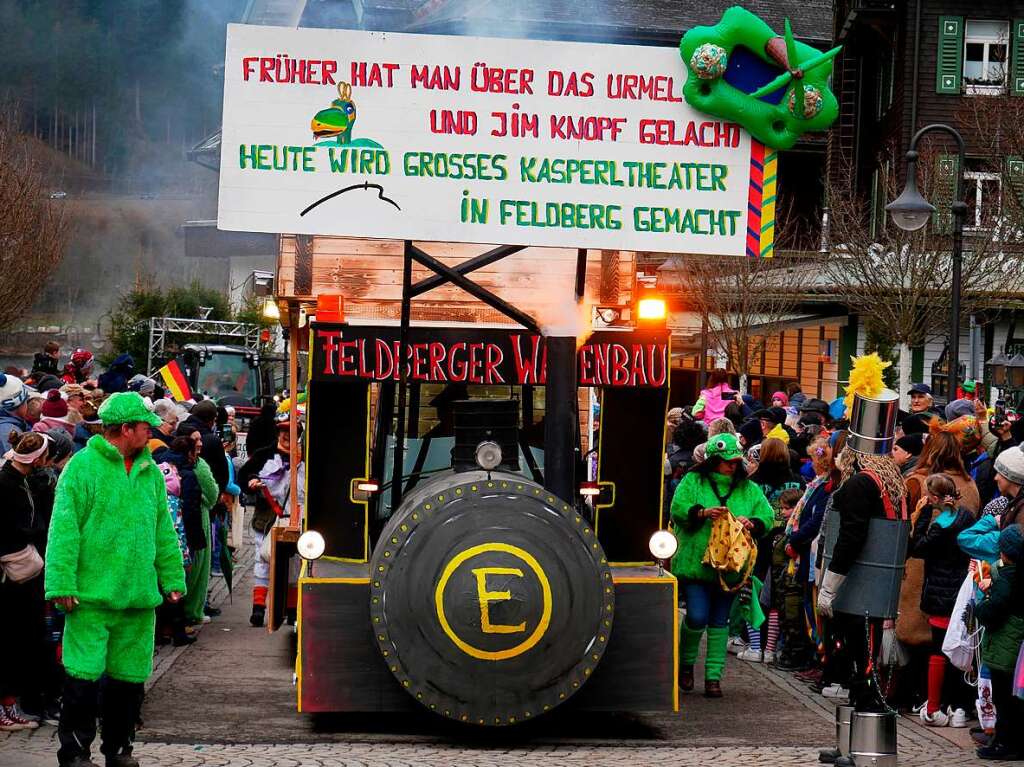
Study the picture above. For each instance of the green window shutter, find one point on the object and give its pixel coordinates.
(917, 363)
(946, 168)
(950, 59)
(1014, 185)
(1017, 59)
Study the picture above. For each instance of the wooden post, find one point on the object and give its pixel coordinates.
(293, 415)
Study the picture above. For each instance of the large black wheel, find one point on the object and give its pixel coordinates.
(491, 599)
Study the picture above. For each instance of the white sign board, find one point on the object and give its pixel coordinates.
(427, 137)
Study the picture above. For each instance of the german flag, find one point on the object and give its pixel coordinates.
(174, 380)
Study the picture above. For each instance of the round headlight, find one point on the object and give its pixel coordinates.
(662, 544)
(488, 455)
(311, 545)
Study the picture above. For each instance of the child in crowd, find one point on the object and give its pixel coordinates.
(171, 615)
(938, 521)
(1001, 612)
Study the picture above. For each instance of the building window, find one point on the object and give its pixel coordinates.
(983, 195)
(985, 48)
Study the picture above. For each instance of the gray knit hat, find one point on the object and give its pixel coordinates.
(1010, 463)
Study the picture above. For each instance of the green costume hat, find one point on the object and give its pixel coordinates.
(127, 407)
(724, 446)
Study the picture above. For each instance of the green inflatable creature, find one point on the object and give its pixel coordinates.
(774, 86)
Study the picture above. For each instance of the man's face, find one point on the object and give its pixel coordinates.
(197, 442)
(919, 402)
(136, 436)
(767, 425)
(75, 401)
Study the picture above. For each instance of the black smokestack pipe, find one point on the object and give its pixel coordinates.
(560, 418)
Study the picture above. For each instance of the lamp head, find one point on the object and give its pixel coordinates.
(910, 211)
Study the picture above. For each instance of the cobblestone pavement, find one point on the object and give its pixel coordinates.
(228, 702)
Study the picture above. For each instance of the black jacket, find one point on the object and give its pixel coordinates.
(263, 517)
(945, 565)
(43, 486)
(17, 512)
(262, 433)
(212, 451)
(191, 498)
(43, 363)
(855, 503)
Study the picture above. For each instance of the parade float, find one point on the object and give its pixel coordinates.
(487, 382)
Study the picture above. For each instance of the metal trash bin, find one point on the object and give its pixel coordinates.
(873, 739)
(844, 716)
(877, 572)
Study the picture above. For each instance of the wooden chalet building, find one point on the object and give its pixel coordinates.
(906, 64)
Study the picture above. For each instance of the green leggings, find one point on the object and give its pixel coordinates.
(197, 579)
(118, 643)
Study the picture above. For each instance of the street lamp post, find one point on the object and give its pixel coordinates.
(910, 211)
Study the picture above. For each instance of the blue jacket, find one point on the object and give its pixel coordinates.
(232, 487)
(82, 436)
(8, 422)
(116, 378)
(981, 540)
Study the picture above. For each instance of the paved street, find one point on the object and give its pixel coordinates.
(228, 701)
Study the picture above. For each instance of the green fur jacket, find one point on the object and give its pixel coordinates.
(692, 533)
(112, 543)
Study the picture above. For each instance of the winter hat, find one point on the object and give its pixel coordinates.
(205, 411)
(55, 406)
(1011, 542)
(776, 415)
(780, 395)
(959, 407)
(48, 381)
(917, 423)
(1010, 463)
(912, 443)
(13, 393)
(60, 444)
(815, 405)
(126, 407)
(752, 432)
(724, 446)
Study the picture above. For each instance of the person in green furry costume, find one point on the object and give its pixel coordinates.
(111, 556)
(716, 486)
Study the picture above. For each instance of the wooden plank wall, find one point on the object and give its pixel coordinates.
(804, 346)
(539, 281)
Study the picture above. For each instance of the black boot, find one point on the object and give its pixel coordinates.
(828, 755)
(122, 704)
(258, 613)
(77, 728)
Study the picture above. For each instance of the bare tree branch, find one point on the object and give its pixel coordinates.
(34, 229)
(743, 301)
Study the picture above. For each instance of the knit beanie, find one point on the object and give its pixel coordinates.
(912, 443)
(1011, 542)
(13, 393)
(959, 407)
(780, 395)
(55, 406)
(751, 432)
(1010, 463)
(60, 444)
